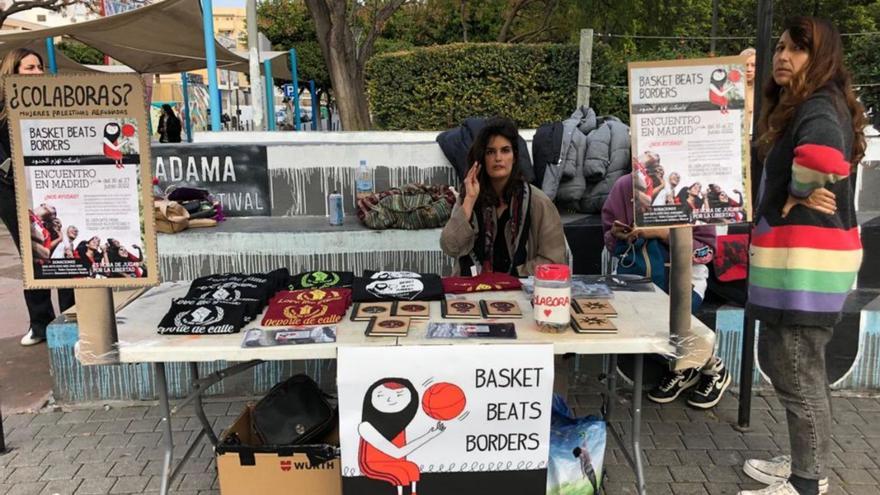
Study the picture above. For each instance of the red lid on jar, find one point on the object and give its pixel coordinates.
(553, 272)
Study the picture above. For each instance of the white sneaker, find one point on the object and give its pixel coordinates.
(781, 488)
(30, 339)
(774, 471)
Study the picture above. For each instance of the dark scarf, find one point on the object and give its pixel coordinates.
(516, 234)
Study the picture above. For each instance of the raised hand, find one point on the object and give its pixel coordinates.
(471, 189)
(472, 182)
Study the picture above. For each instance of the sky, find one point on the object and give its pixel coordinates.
(228, 3)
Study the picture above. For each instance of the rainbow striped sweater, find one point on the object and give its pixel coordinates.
(803, 266)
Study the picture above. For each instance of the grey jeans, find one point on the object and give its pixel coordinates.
(793, 356)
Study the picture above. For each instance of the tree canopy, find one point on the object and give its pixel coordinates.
(625, 30)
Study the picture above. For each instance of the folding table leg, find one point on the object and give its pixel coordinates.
(612, 386)
(200, 409)
(167, 440)
(637, 423)
(2, 438)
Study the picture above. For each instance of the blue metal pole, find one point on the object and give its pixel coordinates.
(314, 98)
(220, 105)
(297, 116)
(270, 94)
(211, 59)
(50, 55)
(184, 77)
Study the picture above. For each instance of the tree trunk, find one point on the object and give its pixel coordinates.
(344, 63)
(509, 17)
(349, 89)
(464, 20)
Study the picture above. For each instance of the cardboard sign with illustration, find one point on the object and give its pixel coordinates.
(80, 151)
(689, 142)
(445, 419)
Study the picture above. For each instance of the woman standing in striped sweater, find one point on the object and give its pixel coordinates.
(805, 249)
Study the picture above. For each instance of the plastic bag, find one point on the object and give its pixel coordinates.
(577, 452)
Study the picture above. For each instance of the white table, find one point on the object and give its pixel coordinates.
(642, 323)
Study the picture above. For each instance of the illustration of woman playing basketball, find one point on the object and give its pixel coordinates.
(390, 405)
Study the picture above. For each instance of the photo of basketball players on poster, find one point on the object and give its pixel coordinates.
(83, 179)
(689, 142)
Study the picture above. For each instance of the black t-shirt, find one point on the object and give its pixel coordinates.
(279, 278)
(397, 286)
(231, 291)
(203, 316)
(500, 255)
(320, 279)
(260, 286)
(253, 306)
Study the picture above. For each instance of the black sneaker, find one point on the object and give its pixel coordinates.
(673, 384)
(713, 383)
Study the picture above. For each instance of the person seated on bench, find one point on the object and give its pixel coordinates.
(500, 223)
(645, 252)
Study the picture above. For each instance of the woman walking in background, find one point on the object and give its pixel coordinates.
(39, 302)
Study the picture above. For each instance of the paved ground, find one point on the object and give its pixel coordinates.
(15, 320)
(116, 449)
(25, 383)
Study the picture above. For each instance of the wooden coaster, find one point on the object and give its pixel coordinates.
(592, 324)
(461, 309)
(595, 307)
(393, 326)
(367, 311)
(500, 309)
(416, 310)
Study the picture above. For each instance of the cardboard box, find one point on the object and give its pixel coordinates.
(251, 468)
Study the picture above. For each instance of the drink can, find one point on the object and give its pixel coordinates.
(334, 207)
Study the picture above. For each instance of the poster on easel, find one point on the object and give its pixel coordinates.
(80, 153)
(689, 128)
(461, 419)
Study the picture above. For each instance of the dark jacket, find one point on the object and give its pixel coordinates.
(456, 142)
(595, 152)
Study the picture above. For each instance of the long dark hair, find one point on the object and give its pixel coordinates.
(825, 66)
(388, 424)
(9, 66)
(506, 128)
(112, 136)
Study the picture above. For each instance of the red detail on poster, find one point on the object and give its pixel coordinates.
(732, 257)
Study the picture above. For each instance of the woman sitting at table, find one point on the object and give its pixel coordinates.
(645, 251)
(501, 223)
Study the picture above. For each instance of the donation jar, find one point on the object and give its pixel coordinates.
(552, 298)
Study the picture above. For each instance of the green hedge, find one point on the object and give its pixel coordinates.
(438, 87)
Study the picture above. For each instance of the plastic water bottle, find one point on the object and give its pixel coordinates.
(363, 181)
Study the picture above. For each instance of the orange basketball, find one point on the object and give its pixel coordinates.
(443, 401)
